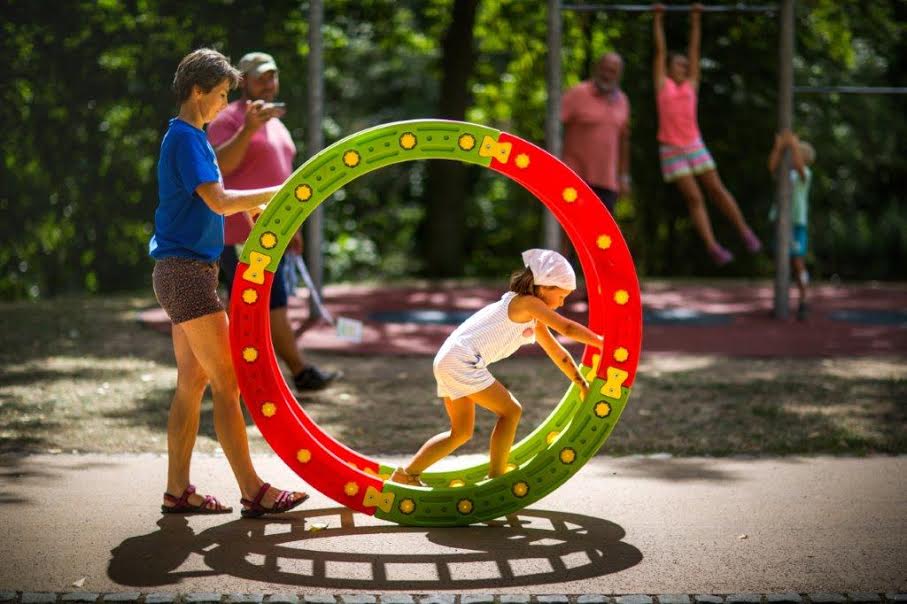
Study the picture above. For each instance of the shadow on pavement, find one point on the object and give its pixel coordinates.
(529, 548)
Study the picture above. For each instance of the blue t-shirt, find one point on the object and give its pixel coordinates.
(184, 225)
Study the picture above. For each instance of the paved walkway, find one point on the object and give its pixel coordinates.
(135, 597)
(634, 525)
(731, 319)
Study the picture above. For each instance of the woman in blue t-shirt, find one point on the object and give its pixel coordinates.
(188, 239)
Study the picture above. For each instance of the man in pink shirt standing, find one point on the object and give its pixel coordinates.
(596, 118)
(254, 150)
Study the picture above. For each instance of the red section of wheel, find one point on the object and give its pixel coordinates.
(615, 307)
(327, 465)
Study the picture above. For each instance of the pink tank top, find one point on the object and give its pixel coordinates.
(677, 124)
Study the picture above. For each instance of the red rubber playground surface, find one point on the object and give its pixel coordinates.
(730, 319)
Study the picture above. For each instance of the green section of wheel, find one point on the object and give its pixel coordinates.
(551, 466)
(351, 158)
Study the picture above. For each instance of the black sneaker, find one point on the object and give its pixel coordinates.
(312, 378)
(802, 311)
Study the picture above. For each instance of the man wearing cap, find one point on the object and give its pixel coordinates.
(254, 150)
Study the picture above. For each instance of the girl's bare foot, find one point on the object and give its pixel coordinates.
(400, 476)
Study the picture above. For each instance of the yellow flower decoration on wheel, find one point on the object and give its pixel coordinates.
(351, 159)
(408, 140)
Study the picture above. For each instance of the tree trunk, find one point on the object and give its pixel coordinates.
(445, 216)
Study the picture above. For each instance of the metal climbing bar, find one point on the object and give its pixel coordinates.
(670, 8)
(850, 89)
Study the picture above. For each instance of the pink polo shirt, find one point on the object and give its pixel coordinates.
(268, 161)
(677, 123)
(593, 125)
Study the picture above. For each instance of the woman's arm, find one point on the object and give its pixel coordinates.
(560, 357)
(658, 34)
(539, 311)
(695, 39)
(230, 201)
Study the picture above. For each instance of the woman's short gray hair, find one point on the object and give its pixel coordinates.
(205, 68)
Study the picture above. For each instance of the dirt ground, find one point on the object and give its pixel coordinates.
(81, 374)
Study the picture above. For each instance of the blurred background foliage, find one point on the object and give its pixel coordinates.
(86, 100)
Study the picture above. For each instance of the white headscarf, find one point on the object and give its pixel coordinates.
(550, 268)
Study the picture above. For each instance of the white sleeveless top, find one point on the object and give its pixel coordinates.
(490, 333)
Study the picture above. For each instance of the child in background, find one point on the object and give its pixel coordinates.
(685, 160)
(523, 315)
(801, 177)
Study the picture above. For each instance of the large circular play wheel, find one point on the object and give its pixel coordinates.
(539, 463)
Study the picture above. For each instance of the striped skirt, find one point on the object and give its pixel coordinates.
(681, 161)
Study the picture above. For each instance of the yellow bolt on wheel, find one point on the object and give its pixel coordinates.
(467, 142)
(602, 409)
(303, 192)
(268, 240)
(269, 409)
(351, 158)
(408, 140)
(407, 506)
(567, 456)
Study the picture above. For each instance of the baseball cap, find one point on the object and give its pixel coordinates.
(256, 63)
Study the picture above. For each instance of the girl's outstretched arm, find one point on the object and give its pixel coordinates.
(658, 35)
(695, 39)
(559, 355)
(539, 311)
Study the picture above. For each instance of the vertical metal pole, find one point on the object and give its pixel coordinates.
(552, 117)
(785, 121)
(314, 230)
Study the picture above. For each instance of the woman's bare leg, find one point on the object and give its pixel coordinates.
(182, 422)
(209, 342)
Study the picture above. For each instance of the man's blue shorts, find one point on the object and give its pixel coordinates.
(228, 260)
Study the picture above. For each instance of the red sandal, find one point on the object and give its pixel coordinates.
(283, 503)
(181, 504)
